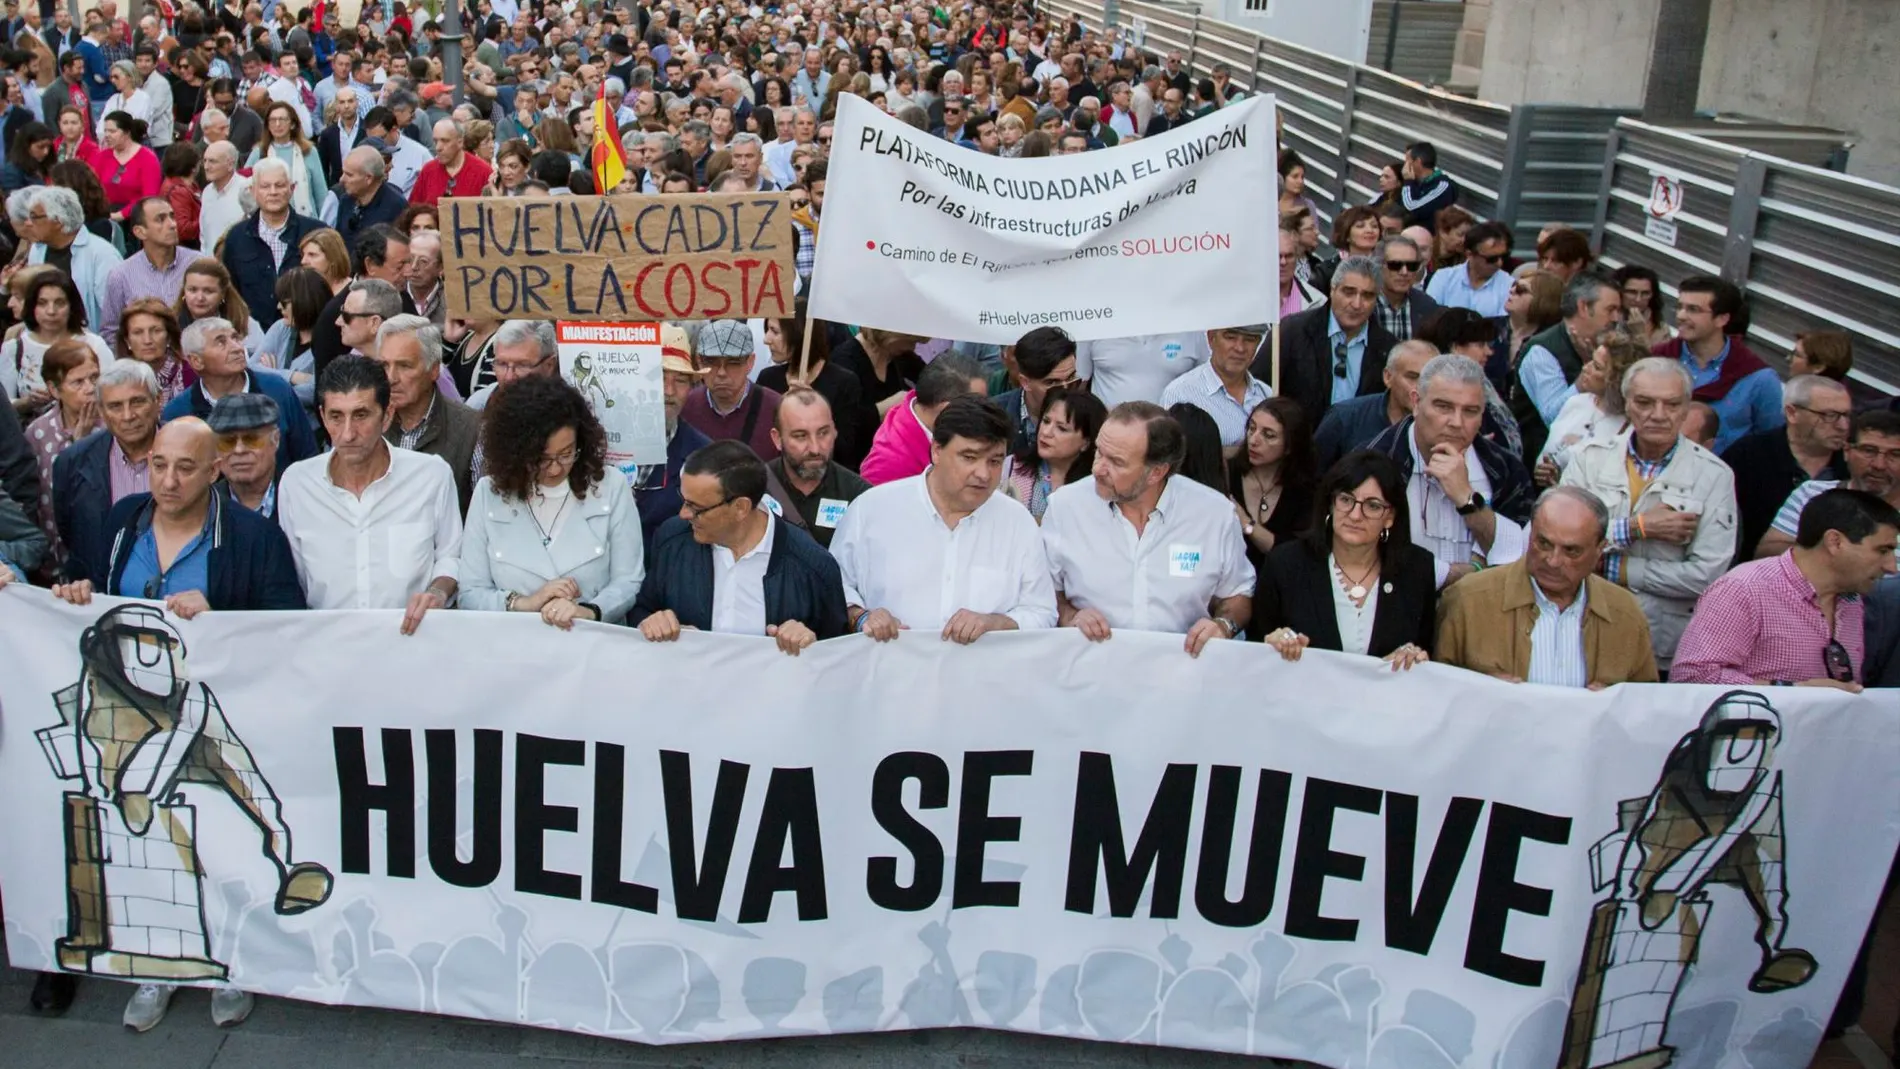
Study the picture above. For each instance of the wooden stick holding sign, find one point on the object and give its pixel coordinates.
(619, 258)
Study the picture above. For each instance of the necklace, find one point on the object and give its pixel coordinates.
(547, 535)
(1358, 590)
(1268, 497)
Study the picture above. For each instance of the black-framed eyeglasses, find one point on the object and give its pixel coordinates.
(1372, 508)
(1401, 265)
(1870, 451)
(694, 511)
(344, 315)
(1826, 417)
(1494, 259)
(1840, 667)
(512, 370)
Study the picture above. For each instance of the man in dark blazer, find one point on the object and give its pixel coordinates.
(344, 133)
(83, 483)
(705, 571)
(364, 195)
(253, 265)
(1336, 351)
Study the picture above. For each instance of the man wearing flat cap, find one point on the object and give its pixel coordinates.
(246, 426)
(730, 406)
(1224, 387)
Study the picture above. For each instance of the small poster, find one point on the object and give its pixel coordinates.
(616, 366)
(1665, 203)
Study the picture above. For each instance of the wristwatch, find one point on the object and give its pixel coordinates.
(1232, 629)
(1476, 504)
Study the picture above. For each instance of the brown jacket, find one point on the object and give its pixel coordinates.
(1485, 620)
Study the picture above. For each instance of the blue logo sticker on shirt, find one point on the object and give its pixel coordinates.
(1183, 561)
(1172, 350)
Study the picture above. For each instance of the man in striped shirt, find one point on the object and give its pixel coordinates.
(1796, 619)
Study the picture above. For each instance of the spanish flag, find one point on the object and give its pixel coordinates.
(609, 155)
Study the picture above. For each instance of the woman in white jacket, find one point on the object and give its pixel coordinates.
(552, 529)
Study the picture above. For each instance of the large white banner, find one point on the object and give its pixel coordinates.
(711, 840)
(1177, 232)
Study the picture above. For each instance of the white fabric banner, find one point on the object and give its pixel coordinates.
(1173, 233)
(712, 840)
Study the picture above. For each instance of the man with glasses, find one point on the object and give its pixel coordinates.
(423, 277)
(1481, 285)
(522, 347)
(185, 545)
(728, 563)
(1818, 412)
(1744, 391)
(1403, 306)
(1873, 465)
(954, 110)
(246, 426)
(1671, 502)
(1796, 619)
(1043, 360)
(1337, 351)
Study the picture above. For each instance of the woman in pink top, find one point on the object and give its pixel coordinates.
(129, 171)
(75, 141)
(901, 447)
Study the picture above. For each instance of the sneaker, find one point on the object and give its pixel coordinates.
(230, 1006)
(147, 1006)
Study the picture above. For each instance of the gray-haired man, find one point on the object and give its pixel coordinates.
(410, 349)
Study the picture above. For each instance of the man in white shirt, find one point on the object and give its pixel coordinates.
(371, 527)
(943, 551)
(1481, 284)
(226, 197)
(1224, 387)
(1139, 547)
(1139, 368)
(406, 156)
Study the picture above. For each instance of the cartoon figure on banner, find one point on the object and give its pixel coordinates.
(1713, 819)
(133, 731)
(587, 381)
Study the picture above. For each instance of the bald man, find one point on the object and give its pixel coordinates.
(455, 172)
(189, 547)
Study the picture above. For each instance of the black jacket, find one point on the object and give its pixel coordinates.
(1306, 360)
(1295, 589)
(353, 218)
(1512, 495)
(19, 472)
(249, 566)
(802, 581)
(82, 499)
(1766, 473)
(254, 270)
(1557, 342)
(330, 153)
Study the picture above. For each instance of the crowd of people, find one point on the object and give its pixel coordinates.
(232, 382)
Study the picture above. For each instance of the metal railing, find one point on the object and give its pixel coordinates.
(1813, 248)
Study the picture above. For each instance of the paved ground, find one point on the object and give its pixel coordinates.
(299, 1035)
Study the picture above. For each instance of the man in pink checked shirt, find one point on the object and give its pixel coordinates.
(1796, 619)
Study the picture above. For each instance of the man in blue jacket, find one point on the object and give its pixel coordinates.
(99, 470)
(249, 253)
(215, 351)
(187, 546)
(726, 564)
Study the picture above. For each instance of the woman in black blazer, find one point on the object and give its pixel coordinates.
(1355, 582)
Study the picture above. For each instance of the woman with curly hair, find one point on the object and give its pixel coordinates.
(552, 529)
(149, 333)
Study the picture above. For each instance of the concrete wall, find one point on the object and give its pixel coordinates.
(1336, 27)
(1812, 62)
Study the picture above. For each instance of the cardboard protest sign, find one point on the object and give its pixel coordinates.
(677, 257)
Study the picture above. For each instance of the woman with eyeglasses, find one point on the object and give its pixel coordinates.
(301, 295)
(1354, 582)
(552, 530)
(1533, 305)
(130, 98)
